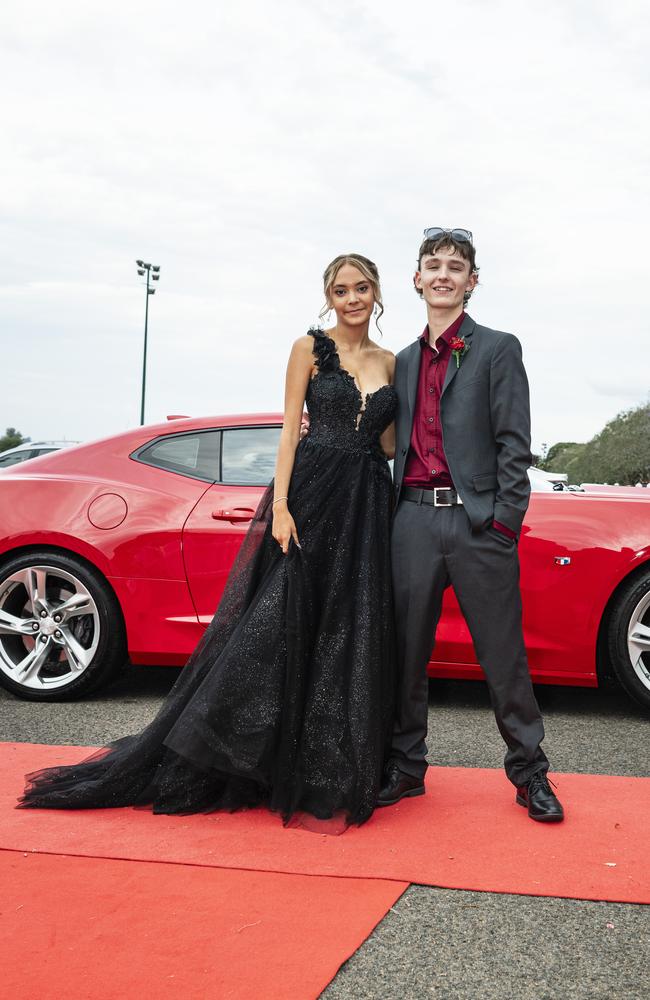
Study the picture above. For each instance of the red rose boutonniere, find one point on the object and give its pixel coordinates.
(458, 348)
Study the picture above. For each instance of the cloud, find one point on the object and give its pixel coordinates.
(242, 147)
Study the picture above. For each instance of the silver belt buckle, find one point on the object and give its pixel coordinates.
(443, 489)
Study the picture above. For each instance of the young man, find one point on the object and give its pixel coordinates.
(462, 489)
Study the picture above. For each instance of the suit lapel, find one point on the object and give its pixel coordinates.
(412, 372)
(465, 333)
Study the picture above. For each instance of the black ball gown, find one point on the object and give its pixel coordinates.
(287, 701)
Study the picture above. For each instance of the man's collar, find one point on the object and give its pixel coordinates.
(450, 332)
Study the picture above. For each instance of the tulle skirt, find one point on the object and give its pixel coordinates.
(287, 701)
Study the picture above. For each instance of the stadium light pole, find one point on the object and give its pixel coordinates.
(153, 274)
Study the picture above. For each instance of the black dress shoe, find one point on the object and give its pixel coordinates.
(398, 786)
(543, 805)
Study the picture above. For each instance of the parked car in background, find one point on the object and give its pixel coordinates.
(31, 449)
(120, 548)
(552, 477)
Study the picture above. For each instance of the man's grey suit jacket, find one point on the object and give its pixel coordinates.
(485, 416)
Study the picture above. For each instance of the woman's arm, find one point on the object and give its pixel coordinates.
(387, 441)
(299, 370)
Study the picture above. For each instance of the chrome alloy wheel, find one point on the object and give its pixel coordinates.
(49, 627)
(638, 640)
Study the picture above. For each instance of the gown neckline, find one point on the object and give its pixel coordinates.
(364, 396)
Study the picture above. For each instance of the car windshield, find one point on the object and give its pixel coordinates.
(543, 482)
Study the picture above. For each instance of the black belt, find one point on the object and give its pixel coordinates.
(439, 497)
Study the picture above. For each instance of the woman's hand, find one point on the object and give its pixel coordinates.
(284, 526)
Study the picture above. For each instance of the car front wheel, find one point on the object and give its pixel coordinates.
(629, 638)
(61, 628)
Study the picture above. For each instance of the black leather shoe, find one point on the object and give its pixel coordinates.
(398, 786)
(543, 805)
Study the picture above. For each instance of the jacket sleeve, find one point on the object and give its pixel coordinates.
(510, 416)
(402, 432)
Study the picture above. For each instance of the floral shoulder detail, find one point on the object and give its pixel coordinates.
(327, 360)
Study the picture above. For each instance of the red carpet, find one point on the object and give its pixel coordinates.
(466, 833)
(88, 927)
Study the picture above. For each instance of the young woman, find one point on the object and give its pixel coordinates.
(287, 701)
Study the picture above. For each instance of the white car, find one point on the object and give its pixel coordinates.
(31, 449)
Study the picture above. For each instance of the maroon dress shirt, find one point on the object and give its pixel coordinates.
(426, 464)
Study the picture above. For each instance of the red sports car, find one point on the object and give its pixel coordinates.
(120, 549)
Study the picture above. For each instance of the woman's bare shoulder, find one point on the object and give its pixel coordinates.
(381, 350)
(301, 357)
(302, 349)
(387, 357)
(304, 344)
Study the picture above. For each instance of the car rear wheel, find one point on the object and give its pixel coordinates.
(61, 629)
(629, 638)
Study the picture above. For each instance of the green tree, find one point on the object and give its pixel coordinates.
(12, 438)
(619, 454)
(557, 452)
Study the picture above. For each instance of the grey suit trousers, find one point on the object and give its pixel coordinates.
(433, 548)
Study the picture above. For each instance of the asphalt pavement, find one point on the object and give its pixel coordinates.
(439, 943)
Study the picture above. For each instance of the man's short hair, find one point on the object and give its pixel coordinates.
(446, 241)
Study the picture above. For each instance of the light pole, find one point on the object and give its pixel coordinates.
(152, 272)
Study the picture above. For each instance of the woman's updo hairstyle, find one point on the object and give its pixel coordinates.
(368, 270)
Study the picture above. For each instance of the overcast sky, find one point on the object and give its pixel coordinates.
(242, 146)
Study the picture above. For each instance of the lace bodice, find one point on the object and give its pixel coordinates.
(339, 415)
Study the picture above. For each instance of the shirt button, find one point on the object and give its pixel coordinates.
(431, 389)
(433, 472)
(431, 451)
(430, 419)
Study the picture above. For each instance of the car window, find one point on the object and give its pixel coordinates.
(18, 456)
(248, 455)
(195, 454)
(41, 451)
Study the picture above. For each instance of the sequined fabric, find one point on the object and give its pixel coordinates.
(287, 701)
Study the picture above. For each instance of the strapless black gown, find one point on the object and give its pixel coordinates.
(287, 701)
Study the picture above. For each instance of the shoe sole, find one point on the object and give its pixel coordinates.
(406, 795)
(539, 819)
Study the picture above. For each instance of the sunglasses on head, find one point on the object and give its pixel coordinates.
(461, 235)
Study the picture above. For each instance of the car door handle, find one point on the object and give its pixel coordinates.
(235, 515)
